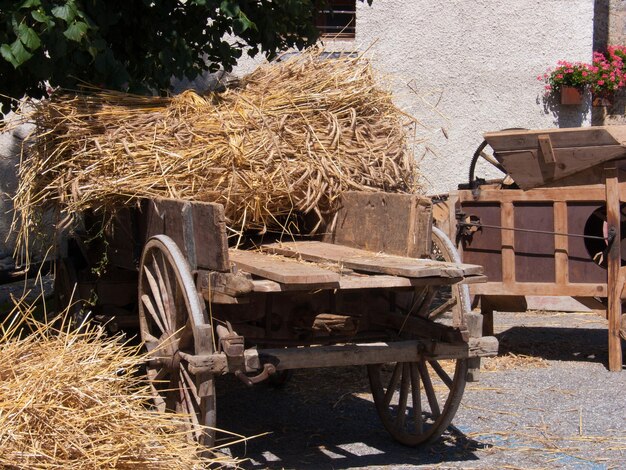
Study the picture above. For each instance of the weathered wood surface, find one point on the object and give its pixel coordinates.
(361, 260)
(361, 281)
(538, 157)
(614, 308)
(198, 228)
(348, 355)
(397, 224)
(282, 270)
(560, 138)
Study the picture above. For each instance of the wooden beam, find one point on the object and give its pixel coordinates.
(347, 355)
(561, 243)
(585, 193)
(539, 288)
(546, 148)
(508, 243)
(614, 310)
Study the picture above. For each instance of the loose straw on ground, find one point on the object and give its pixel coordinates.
(75, 400)
(289, 139)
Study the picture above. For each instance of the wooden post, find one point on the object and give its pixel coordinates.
(561, 243)
(614, 310)
(508, 243)
(486, 308)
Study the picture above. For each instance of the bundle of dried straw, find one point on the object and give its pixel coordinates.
(74, 400)
(290, 138)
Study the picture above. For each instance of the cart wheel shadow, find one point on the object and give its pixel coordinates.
(323, 418)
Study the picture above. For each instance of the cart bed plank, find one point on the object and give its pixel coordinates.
(361, 281)
(282, 270)
(361, 260)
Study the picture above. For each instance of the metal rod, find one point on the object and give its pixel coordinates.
(594, 237)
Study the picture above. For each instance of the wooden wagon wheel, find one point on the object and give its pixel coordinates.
(416, 401)
(456, 297)
(173, 323)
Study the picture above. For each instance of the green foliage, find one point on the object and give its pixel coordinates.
(138, 45)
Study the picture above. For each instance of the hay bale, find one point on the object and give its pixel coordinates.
(75, 400)
(290, 138)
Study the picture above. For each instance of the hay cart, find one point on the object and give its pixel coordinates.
(367, 292)
(552, 226)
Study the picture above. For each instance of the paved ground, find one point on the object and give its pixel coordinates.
(557, 408)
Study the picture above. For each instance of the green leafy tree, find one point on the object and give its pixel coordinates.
(137, 45)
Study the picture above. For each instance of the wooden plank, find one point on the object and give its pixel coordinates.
(366, 261)
(363, 218)
(282, 270)
(536, 288)
(572, 194)
(561, 243)
(566, 137)
(198, 228)
(360, 281)
(529, 170)
(614, 310)
(508, 243)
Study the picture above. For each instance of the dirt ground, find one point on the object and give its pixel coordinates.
(547, 401)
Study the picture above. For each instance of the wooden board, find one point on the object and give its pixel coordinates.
(397, 224)
(539, 157)
(198, 228)
(361, 260)
(360, 281)
(283, 270)
(559, 138)
(530, 169)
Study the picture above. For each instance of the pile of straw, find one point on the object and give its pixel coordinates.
(290, 138)
(75, 400)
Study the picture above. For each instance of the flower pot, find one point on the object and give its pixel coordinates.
(571, 95)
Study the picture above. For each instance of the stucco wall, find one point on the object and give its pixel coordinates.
(480, 60)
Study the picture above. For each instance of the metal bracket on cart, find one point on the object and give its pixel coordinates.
(233, 346)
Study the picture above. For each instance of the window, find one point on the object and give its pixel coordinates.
(337, 19)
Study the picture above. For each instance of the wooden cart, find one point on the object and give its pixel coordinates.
(365, 293)
(554, 225)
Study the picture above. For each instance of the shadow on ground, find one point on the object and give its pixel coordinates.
(557, 343)
(323, 419)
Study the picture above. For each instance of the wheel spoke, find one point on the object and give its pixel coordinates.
(429, 389)
(443, 375)
(393, 383)
(416, 396)
(168, 284)
(404, 393)
(148, 304)
(156, 295)
(191, 385)
(168, 310)
(190, 408)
